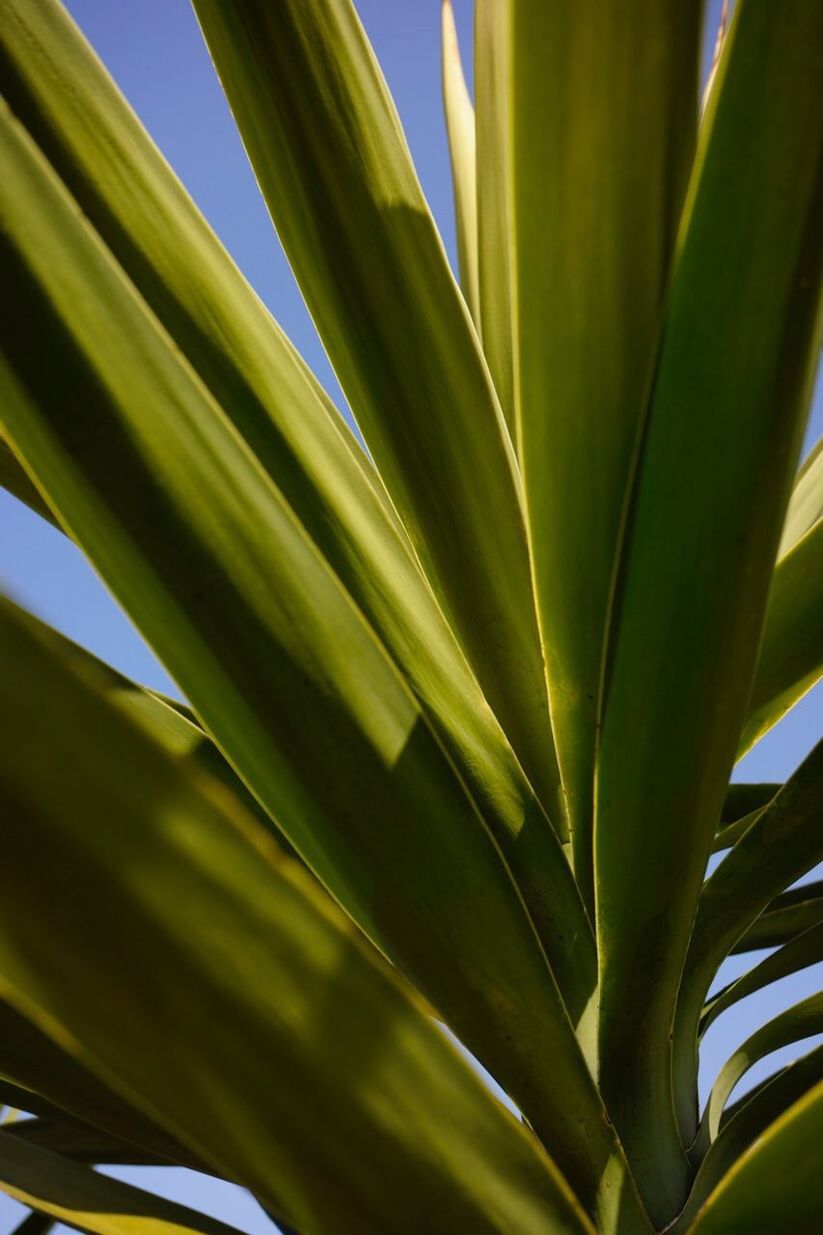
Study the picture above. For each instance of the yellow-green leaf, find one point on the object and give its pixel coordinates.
(333, 165)
(62, 93)
(205, 554)
(491, 88)
(719, 452)
(87, 1201)
(603, 117)
(194, 935)
(460, 129)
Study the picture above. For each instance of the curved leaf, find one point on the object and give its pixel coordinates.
(193, 935)
(333, 165)
(460, 128)
(803, 1020)
(782, 844)
(279, 662)
(87, 1201)
(798, 953)
(776, 1186)
(786, 917)
(791, 650)
(78, 117)
(603, 118)
(730, 399)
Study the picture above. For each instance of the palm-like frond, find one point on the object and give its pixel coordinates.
(461, 713)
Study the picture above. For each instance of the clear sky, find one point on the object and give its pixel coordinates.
(154, 50)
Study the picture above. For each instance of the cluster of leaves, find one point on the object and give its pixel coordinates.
(461, 713)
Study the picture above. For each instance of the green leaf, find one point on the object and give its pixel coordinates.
(204, 553)
(78, 117)
(16, 480)
(787, 916)
(45, 1080)
(82, 1143)
(743, 804)
(750, 1122)
(460, 129)
(34, 1224)
(782, 844)
(167, 721)
(798, 953)
(87, 1201)
(333, 165)
(791, 651)
(806, 505)
(491, 92)
(802, 1020)
(193, 935)
(719, 452)
(603, 123)
(744, 799)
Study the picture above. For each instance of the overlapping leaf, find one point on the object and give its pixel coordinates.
(753, 1118)
(205, 554)
(783, 843)
(726, 422)
(803, 1020)
(776, 1185)
(806, 505)
(785, 918)
(791, 652)
(799, 952)
(76, 114)
(90, 1202)
(603, 122)
(194, 935)
(333, 165)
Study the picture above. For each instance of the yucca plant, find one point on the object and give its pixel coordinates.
(462, 711)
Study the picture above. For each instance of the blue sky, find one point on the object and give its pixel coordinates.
(154, 50)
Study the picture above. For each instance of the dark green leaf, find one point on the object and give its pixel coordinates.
(78, 117)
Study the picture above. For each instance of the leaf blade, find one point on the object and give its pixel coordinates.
(594, 224)
(201, 935)
(791, 650)
(783, 843)
(78, 117)
(460, 128)
(278, 628)
(329, 153)
(87, 1201)
(491, 86)
(723, 435)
